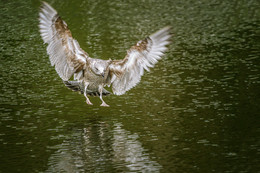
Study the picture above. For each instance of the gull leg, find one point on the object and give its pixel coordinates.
(85, 94)
(100, 91)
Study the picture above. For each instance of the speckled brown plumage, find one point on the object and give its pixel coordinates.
(94, 74)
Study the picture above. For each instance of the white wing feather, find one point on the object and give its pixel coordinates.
(125, 74)
(64, 51)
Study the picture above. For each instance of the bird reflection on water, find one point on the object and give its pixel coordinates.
(101, 147)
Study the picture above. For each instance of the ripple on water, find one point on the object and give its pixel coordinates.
(196, 111)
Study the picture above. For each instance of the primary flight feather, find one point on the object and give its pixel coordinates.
(91, 75)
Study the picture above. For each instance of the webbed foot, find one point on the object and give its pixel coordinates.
(104, 104)
(88, 102)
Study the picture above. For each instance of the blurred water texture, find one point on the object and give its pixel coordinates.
(196, 111)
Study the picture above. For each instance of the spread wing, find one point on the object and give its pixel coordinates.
(126, 73)
(64, 51)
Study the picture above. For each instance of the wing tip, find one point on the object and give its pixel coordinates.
(168, 28)
(47, 8)
(162, 32)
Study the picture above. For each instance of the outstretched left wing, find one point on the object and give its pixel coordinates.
(64, 51)
(126, 73)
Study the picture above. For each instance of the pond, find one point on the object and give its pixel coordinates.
(197, 110)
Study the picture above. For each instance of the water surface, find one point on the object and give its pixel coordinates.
(196, 111)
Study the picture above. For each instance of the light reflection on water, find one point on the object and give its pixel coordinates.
(196, 111)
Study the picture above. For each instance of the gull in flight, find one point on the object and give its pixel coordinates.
(92, 75)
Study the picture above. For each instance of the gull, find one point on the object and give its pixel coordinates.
(91, 75)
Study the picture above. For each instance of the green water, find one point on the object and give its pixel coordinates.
(196, 111)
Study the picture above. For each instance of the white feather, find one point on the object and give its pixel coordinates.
(61, 48)
(138, 61)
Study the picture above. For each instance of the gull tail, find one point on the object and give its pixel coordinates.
(79, 87)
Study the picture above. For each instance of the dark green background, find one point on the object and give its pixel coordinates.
(196, 111)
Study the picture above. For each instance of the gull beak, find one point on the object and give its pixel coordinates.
(102, 74)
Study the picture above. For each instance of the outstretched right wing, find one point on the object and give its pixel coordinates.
(126, 73)
(64, 51)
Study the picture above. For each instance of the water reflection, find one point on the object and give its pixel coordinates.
(102, 148)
